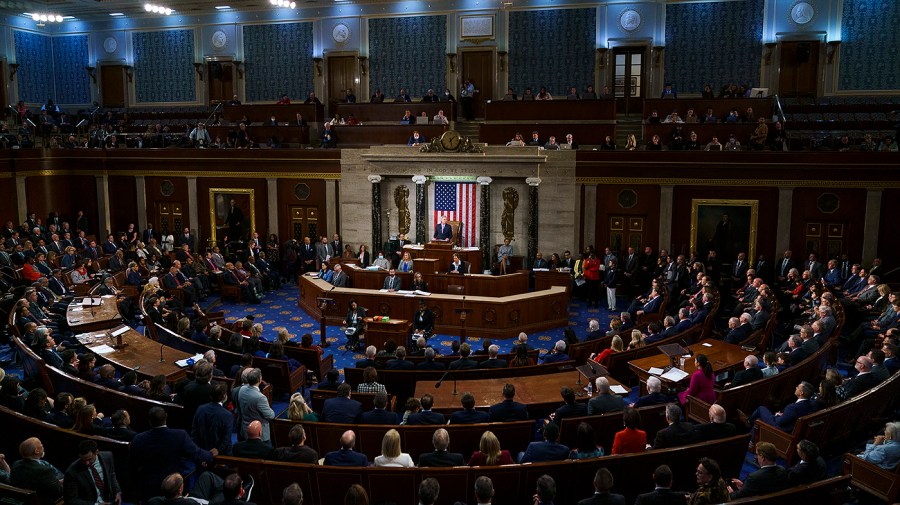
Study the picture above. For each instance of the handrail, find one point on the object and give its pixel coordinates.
(780, 111)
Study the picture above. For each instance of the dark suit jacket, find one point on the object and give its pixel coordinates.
(807, 472)
(398, 364)
(254, 449)
(545, 451)
(463, 364)
(661, 496)
(746, 376)
(578, 409)
(341, 410)
(430, 364)
(714, 431)
(860, 384)
(792, 412)
(469, 417)
(363, 363)
(770, 479)
(379, 416)
(443, 232)
(603, 499)
(652, 399)
(601, 404)
(44, 479)
(441, 459)
(425, 417)
(594, 335)
(297, 454)
(508, 410)
(345, 457)
(157, 452)
(494, 363)
(680, 433)
(78, 485)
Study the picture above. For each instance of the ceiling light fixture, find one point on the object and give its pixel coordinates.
(45, 18)
(283, 3)
(158, 9)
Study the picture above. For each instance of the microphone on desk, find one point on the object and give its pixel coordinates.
(438, 383)
(685, 345)
(161, 359)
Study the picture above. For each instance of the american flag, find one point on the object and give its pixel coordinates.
(459, 202)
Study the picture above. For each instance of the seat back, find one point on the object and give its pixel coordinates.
(457, 227)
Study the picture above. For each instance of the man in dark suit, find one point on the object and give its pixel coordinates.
(298, 451)
(197, 392)
(784, 266)
(464, 363)
(663, 494)
(508, 409)
(770, 478)
(369, 360)
(570, 408)
(603, 482)
(811, 468)
(32, 472)
(441, 457)
(339, 279)
(684, 322)
(547, 450)
(652, 305)
(379, 415)
(458, 266)
(594, 331)
(739, 270)
(786, 419)
(253, 447)
(557, 354)
(346, 456)
(750, 373)
(469, 415)
(677, 433)
(863, 381)
(213, 423)
(426, 416)
(738, 330)
(717, 427)
(307, 256)
(423, 321)
(606, 400)
(158, 451)
(429, 363)
(654, 395)
(148, 234)
(443, 231)
(399, 362)
(493, 361)
(341, 409)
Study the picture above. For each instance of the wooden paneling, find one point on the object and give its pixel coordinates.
(287, 198)
(590, 110)
(645, 206)
(262, 112)
(851, 208)
(122, 202)
(260, 194)
(583, 134)
(888, 238)
(368, 135)
(155, 197)
(478, 67)
(392, 112)
(66, 194)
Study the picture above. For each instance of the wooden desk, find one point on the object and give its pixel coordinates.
(91, 318)
(140, 355)
(722, 356)
(544, 280)
(500, 317)
(392, 112)
(444, 255)
(538, 392)
(367, 135)
(379, 332)
(473, 285)
(552, 110)
(263, 112)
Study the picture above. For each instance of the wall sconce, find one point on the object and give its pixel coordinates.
(833, 46)
(363, 68)
(318, 62)
(199, 68)
(501, 57)
(237, 67)
(601, 54)
(657, 53)
(13, 68)
(129, 72)
(92, 71)
(451, 59)
(770, 50)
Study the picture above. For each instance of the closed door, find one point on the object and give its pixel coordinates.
(305, 223)
(625, 232)
(112, 85)
(629, 78)
(799, 71)
(220, 79)
(341, 77)
(478, 67)
(170, 217)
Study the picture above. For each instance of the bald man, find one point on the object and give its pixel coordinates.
(32, 472)
(253, 447)
(718, 426)
(346, 456)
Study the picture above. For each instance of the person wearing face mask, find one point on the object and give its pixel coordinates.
(448, 97)
(392, 282)
(415, 139)
(381, 262)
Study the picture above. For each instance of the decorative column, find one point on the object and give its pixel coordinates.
(272, 218)
(783, 229)
(872, 222)
(533, 183)
(421, 209)
(331, 225)
(140, 187)
(376, 213)
(666, 196)
(21, 199)
(484, 222)
(194, 212)
(103, 213)
(589, 227)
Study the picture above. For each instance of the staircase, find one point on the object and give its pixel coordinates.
(468, 129)
(631, 125)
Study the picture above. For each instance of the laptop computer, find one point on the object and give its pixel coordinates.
(421, 120)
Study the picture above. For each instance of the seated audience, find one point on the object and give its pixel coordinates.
(489, 452)
(586, 443)
(631, 439)
(711, 488)
(770, 478)
(469, 415)
(884, 450)
(811, 468)
(677, 433)
(390, 452)
(346, 456)
(441, 457)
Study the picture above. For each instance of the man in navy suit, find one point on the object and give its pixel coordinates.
(458, 266)
(158, 451)
(441, 457)
(603, 482)
(508, 409)
(469, 415)
(82, 477)
(750, 373)
(677, 433)
(213, 423)
(493, 361)
(443, 231)
(33, 472)
(369, 361)
(652, 305)
(379, 415)
(606, 400)
(464, 363)
(253, 447)
(547, 450)
(430, 363)
(346, 456)
(785, 420)
(570, 408)
(392, 282)
(663, 494)
(684, 322)
(426, 416)
(770, 478)
(341, 409)
(739, 329)
(557, 354)
(863, 381)
(400, 362)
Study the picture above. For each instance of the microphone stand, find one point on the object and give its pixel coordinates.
(161, 359)
(455, 392)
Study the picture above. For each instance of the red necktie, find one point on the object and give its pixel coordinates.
(97, 480)
(177, 282)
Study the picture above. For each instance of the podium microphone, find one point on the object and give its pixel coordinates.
(439, 382)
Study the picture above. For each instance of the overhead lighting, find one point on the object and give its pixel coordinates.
(158, 9)
(116, 14)
(46, 18)
(283, 3)
(223, 7)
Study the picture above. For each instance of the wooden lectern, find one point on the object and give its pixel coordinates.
(325, 304)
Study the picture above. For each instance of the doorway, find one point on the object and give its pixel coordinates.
(220, 81)
(305, 223)
(112, 85)
(478, 66)
(799, 69)
(341, 77)
(629, 78)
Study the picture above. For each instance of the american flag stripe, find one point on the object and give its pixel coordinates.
(459, 202)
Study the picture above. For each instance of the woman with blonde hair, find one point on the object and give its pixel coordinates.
(615, 346)
(256, 330)
(631, 144)
(637, 339)
(489, 452)
(298, 410)
(390, 452)
(282, 335)
(84, 422)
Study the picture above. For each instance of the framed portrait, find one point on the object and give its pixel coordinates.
(726, 226)
(231, 214)
(476, 27)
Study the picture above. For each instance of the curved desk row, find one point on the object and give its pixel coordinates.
(440, 282)
(501, 317)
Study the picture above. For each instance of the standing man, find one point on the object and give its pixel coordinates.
(308, 256)
(92, 478)
(254, 405)
(234, 220)
(443, 231)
